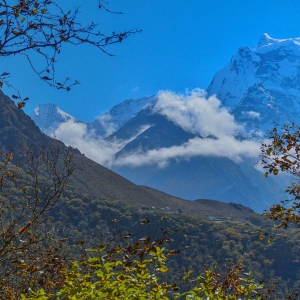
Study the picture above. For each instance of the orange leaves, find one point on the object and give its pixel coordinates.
(21, 104)
(173, 252)
(9, 157)
(21, 230)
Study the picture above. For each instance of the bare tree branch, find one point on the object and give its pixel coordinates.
(40, 28)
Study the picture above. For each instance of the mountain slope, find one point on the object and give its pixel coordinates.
(93, 180)
(17, 128)
(159, 132)
(48, 117)
(259, 86)
(189, 178)
(118, 115)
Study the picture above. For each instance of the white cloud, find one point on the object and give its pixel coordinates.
(196, 114)
(226, 146)
(203, 117)
(252, 114)
(106, 122)
(76, 135)
(193, 112)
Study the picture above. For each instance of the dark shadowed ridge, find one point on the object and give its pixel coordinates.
(97, 181)
(16, 128)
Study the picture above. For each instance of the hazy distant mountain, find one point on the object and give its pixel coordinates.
(262, 85)
(121, 113)
(49, 116)
(259, 85)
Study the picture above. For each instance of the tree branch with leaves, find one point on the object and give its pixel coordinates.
(282, 155)
(38, 29)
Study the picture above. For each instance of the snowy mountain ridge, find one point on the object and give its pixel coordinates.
(109, 122)
(49, 116)
(262, 85)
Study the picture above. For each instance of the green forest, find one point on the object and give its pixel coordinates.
(59, 243)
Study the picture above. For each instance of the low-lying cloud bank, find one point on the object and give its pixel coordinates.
(223, 147)
(76, 135)
(193, 112)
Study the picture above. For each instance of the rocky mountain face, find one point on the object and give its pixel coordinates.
(190, 178)
(261, 85)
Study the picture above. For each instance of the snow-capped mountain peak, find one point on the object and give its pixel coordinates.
(265, 40)
(121, 113)
(262, 81)
(49, 116)
(267, 44)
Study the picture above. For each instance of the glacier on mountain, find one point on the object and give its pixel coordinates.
(109, 122)
(262, 81)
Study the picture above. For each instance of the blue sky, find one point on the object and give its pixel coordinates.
(182, 45)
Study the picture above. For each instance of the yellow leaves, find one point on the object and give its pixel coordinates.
(266, 174)
(294, 137)
(9, 157)
(21, 230)
(278, 208)
(275, 172)
(43, 11)
(16, 13)
(163, 269)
